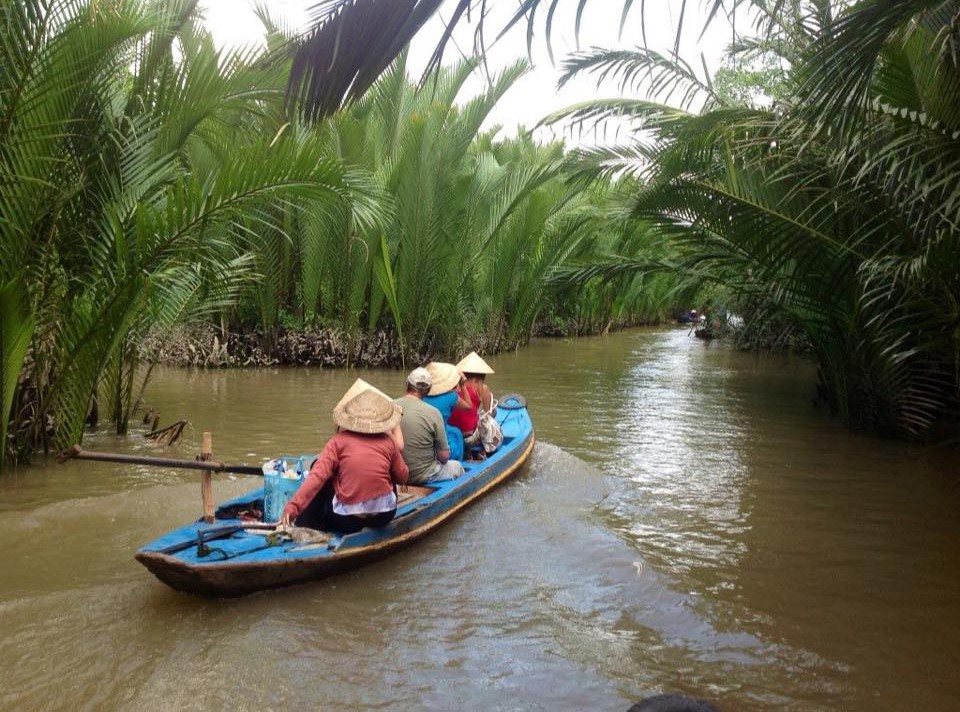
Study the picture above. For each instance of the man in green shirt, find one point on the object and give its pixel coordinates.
(425, 448)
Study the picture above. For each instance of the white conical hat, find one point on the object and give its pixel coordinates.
(472, 363)
(445, 376)
(365, 409)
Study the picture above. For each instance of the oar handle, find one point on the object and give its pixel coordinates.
(77, 453)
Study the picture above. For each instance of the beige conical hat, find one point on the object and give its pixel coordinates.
(445, 377)
(472, 363)
(358, 387)
(365, 409)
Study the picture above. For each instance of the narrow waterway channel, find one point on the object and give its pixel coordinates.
(689, 523)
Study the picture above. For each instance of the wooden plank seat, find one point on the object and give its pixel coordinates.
(411, 493)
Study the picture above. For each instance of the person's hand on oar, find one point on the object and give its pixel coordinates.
(286, 521)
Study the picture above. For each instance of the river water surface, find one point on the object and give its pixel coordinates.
(688, 523)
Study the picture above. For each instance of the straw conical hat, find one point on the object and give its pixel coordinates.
(445, 377)
(358, 387)
(365, 409)
(472, 363)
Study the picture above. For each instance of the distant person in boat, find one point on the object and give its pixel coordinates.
(426, 448)
(352, 484)
(448, 396)
(475, 371)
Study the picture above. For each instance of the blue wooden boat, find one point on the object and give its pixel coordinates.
(231, 557)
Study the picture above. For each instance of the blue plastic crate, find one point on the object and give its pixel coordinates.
(278, 490)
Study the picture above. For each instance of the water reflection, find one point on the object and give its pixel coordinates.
(678, 451)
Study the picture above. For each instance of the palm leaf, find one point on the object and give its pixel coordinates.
(16, 330)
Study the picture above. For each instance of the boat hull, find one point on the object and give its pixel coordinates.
(272, 567)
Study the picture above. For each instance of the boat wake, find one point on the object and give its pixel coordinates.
(529, 596)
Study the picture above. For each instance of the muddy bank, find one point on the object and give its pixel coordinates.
(206, 346)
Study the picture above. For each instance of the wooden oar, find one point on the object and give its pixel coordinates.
(78, 453)
(204, 462)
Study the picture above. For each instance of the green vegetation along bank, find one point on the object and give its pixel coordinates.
(813, 182)
(816, 183)
(150, 183)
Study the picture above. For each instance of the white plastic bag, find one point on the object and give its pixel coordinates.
(491, 434)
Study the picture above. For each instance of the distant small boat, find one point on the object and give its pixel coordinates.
(232, 557)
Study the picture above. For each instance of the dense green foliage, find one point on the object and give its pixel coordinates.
(122, 194)
(832, 210)
(474, 228)
(148, 180)
(816, 179)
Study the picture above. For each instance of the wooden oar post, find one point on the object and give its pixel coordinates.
(206, 478)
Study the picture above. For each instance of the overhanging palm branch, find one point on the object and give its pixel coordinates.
(670, 80)
(352, 42)
(842, 64)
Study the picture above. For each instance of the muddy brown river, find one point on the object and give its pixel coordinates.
(688, 523)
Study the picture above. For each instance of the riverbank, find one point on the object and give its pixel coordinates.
(206, 346)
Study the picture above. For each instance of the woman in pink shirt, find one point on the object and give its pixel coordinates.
(352, 483)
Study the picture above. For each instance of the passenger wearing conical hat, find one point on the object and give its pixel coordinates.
(473, 364)
(426, 450)
(475, 371)
(352, 482)
(448, 396)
